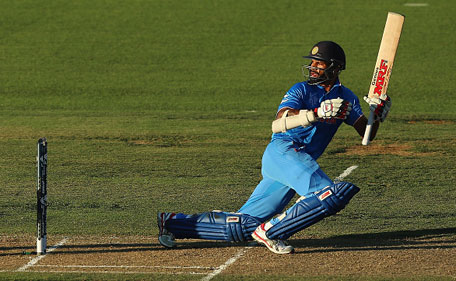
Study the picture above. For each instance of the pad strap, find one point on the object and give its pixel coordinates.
(310, 210)
(215, 225)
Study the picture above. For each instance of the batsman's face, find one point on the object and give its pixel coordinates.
(317, 68)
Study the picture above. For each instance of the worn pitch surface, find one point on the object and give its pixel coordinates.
(424, 253)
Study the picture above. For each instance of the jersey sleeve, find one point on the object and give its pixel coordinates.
(293, 98)
(356, 111)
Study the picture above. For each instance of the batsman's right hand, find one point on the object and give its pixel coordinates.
(334, 108)
(380, 107)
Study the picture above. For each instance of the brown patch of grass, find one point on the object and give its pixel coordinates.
(17, 250)
(400, 149)
(413, 255)
(142, 142)
(405, 260)
(384, 149)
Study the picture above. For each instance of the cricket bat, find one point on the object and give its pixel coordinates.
(384, 64)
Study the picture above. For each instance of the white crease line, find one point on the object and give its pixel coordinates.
(211, 275)
(345, 173)
(38, 258)
(225, 265)
(242, 251)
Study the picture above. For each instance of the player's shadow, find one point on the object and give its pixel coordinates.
(92, 248)
(138, 247)
(442, 238)
(396, 240)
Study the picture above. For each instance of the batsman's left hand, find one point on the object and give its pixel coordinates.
(333, 108)
(380, 107)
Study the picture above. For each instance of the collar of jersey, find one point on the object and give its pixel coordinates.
(336, 84)
(326, 95)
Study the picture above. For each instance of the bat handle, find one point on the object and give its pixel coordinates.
(367, 133)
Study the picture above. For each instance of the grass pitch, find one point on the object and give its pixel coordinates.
(166, 106)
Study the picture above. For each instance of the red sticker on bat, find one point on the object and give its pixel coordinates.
(381, 77)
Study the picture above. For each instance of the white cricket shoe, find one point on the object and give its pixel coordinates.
(165, 238)
(276, 246)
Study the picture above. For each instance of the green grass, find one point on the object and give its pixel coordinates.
(166, 105)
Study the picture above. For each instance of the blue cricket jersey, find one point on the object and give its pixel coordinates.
(315, 138)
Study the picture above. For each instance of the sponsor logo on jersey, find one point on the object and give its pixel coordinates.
(325, 195)
(232, 219)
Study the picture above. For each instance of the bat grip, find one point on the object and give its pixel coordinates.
(367, 133)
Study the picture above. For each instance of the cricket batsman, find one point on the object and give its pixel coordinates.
(306, 121)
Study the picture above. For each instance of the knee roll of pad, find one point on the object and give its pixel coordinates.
(308, 211)
(233, 227)
(337, 196)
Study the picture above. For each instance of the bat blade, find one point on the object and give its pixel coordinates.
(384, 64)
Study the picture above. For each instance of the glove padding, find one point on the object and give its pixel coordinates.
(334, 108)
(380, 107)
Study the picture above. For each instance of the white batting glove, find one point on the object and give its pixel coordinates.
(379, 106)
(334, 108)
